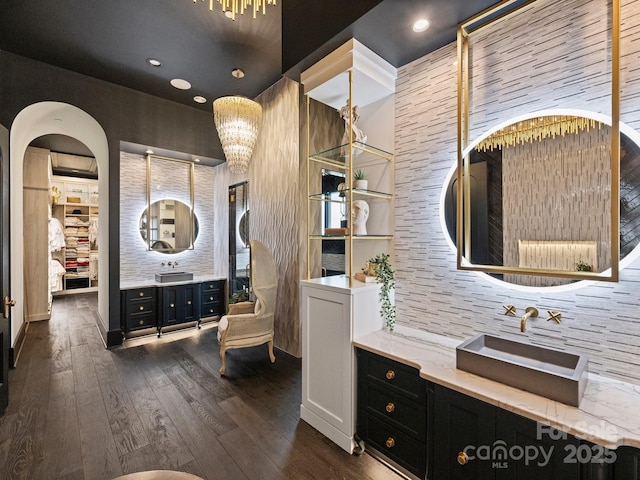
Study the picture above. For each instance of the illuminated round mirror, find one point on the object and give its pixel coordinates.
(243, 228)
(540, 195)
(169, 227)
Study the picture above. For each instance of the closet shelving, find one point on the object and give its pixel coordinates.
(77, 210)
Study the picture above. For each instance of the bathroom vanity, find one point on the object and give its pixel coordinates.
(428, 419)
(155, 304)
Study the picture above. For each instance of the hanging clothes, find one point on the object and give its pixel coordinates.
(56, 235)
(93, 232)
(56, 272)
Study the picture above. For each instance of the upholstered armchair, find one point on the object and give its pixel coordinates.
(251, 323)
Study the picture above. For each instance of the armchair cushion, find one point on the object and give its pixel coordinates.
(241, 307)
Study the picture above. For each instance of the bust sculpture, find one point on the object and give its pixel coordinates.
(359, 216)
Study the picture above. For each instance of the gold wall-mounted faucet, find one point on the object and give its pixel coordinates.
(531, 312)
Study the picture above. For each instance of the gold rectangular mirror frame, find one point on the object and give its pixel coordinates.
(500, 12)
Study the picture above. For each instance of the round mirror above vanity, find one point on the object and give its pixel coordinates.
(168, 226)
(539, 199)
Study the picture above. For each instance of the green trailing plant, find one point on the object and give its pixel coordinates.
(238, 297)
(583, 266)
(386, 277)
(359, 175)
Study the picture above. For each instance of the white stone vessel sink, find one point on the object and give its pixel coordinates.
(173, 277)
(554, 374)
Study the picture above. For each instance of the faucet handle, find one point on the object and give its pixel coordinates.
(509, 309)
(162, 264)
(554, 315)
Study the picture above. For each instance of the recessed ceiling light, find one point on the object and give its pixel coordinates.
(421, 25)
(180, 84)
(154, 62)
(199, 99)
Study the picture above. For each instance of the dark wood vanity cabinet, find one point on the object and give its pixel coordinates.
(179, 304)
(139, 308)
(430, 431)
(392, 411)
(513, 447)
(164, 306)
(212, 298)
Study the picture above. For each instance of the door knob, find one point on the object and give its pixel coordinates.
(7, 304)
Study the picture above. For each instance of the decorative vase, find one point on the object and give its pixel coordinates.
(361, 184)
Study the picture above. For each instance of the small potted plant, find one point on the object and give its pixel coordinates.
(583, 266)
(360, 179)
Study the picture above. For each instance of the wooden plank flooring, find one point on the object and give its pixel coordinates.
(79, 411)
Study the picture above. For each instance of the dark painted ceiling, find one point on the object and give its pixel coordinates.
(111, 40)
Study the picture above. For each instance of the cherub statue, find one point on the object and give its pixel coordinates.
(358, 135)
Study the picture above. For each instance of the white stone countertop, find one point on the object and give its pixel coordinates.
(151, 282)
(609, 413)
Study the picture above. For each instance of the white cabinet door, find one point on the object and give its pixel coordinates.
(331, 313)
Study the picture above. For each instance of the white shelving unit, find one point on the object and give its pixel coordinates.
(335, 310)
(354, 75)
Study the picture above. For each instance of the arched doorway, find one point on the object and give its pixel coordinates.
(35, 121)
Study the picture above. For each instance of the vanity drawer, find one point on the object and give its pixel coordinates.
(141, 320)
(403, 449)
(397, 376)
(212, 286)
(394, 408)
(140, 294)
(137, 307)
(210, 309)
(211, 296)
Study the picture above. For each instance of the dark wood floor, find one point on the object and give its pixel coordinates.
(80, 411)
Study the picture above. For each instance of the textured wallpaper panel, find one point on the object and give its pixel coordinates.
(274, 202)
(136, 262)
(599, 320)
(275, 206)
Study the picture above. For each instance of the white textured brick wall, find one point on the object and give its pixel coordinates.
(136, 262)
(600, 320)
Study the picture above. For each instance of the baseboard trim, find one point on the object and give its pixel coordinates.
(14, 352)
(110, 338)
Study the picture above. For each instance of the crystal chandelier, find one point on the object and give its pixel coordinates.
(237, 120)
(536, 129)
(232, 7)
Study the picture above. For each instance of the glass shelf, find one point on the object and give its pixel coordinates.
(355, 237)
(338, 156)
(356, 191)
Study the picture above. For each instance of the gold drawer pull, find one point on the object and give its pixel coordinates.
(210, 286)
(390, 443)
(211, 310)
(390, 375)
(390, 407)
(171, 305)
(189, 302)
(141, 294)
(141, 308)
(463, 459)
(211, 298)
(141, 322)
